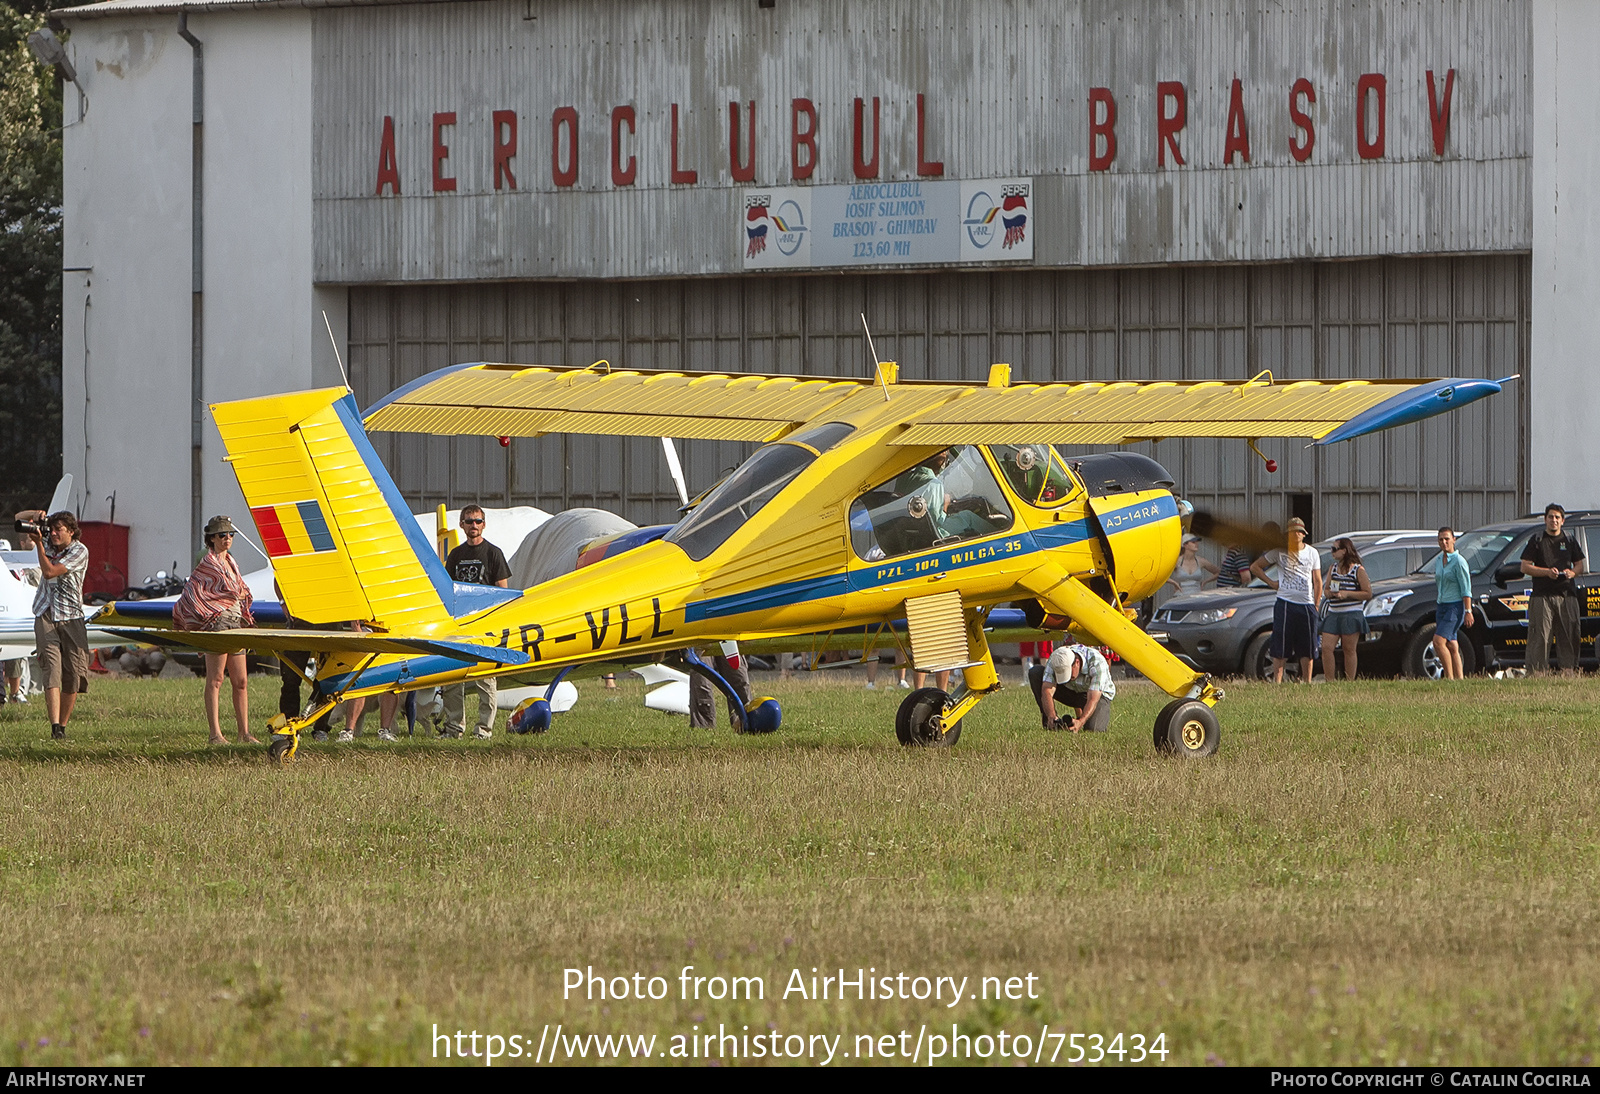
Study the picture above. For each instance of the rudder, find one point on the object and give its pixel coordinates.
(343, 543)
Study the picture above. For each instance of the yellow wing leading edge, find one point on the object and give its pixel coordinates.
(523, 401)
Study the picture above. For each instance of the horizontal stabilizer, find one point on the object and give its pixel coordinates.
(320, 642)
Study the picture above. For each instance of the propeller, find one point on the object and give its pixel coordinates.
(1210, 526)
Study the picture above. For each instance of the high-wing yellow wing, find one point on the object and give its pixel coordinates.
(1121, 413)
(521, 401)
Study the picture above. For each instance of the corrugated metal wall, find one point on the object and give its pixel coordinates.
(1006, 84)
(1375, 318)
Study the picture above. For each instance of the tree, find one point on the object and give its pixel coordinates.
(30, 264)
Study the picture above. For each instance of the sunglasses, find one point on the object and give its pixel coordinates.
(473, 520)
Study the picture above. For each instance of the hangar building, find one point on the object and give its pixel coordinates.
(1086, 189)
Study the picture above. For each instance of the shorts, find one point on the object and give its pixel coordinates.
(229, 619)
(1294, 631)
(63, 654)
(1340, 623)
(1447, 620)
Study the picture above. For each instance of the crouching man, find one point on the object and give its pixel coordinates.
(1079, 678)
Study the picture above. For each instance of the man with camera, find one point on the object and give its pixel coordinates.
(1080, 679)
(58, 627)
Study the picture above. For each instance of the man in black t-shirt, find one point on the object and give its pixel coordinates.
(1553, 559)
(475, 562)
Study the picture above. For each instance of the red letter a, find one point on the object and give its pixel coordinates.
(1238, 128)
(388, 172)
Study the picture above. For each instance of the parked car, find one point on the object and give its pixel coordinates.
(1401, 612)
(1226, 632)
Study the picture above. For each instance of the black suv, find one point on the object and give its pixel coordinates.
(1401, 612)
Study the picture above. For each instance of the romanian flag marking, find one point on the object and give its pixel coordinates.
(293, 528)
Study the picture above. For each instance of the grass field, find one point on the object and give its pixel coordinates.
(1375, 873)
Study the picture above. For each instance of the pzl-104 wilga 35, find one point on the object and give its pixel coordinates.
(869, 500)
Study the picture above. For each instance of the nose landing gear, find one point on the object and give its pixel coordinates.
(1187, 728)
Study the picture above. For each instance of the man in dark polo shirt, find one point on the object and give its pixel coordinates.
(476, 562)
(1553, 559)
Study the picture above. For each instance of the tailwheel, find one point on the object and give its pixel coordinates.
(920, 721)
(282, 748)
(1192, 730)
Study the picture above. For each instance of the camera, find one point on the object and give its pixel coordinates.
(32, 528)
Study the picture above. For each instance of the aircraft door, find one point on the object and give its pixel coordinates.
(950, 497)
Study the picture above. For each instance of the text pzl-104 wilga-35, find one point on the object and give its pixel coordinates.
(870, 500)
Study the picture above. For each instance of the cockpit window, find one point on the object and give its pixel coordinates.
(1035, 472)
(822, 437)
(740, 497)
(949, 497)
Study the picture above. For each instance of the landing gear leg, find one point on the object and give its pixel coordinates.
(930, 718)
(286, 731)
(1185, 727)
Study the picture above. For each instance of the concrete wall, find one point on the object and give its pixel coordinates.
(128, 204)
(1565, 398)
(125, 324)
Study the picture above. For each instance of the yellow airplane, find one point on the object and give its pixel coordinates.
(869, 500)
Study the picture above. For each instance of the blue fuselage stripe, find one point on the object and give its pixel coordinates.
(953, 557)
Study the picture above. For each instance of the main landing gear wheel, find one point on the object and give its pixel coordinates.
(1163, 720)
(278, 750)
(920, 721)
(1192, 730)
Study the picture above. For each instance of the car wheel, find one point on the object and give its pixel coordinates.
(1258, 660)
(1422, 660)
(1258, 657)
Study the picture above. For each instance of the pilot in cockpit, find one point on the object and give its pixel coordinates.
(950, 517)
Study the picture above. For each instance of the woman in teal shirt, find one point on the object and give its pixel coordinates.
(1453, 591)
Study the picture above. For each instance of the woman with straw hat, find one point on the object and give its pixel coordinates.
(217, 599)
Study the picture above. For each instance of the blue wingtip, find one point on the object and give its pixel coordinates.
(406, 389)
(1439, 397)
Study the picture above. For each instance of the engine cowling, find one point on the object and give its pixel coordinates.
(1140, 520)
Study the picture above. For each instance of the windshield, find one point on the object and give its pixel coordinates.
(740, 497)
(1479, 549)
(1035, 472)
(821, 437)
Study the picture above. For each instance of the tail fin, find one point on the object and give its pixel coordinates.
(342, 541)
